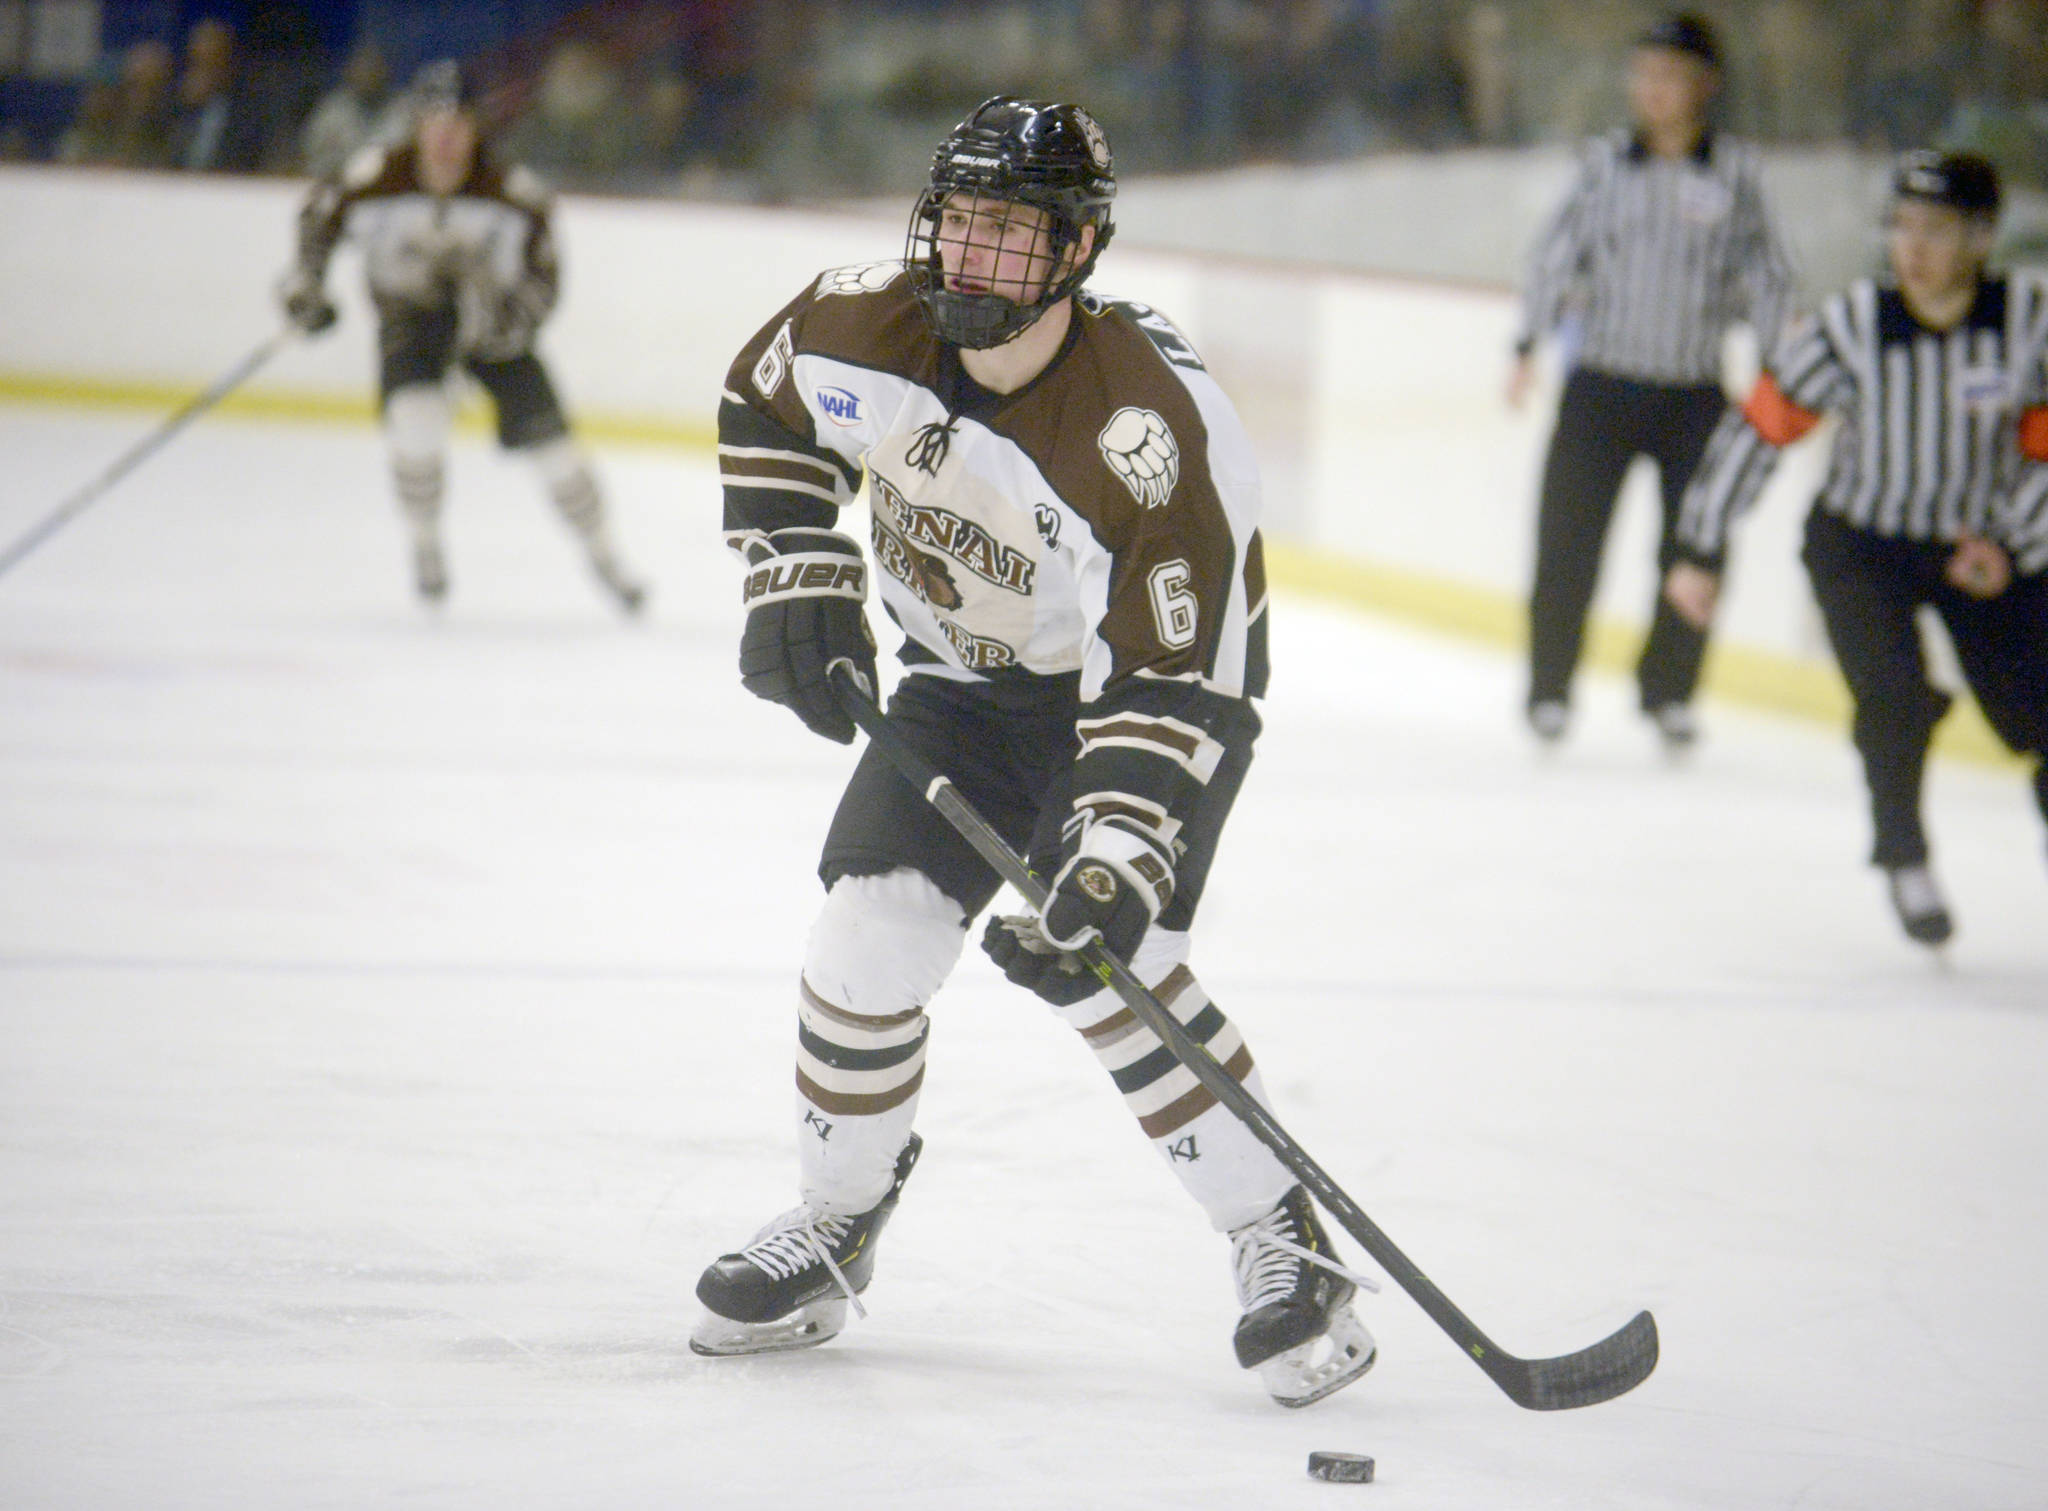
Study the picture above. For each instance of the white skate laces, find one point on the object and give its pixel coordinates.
(1262, 1260)
(797, 1238)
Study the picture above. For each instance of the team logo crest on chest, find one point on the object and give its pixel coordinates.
(1142, 452)
(952, 536)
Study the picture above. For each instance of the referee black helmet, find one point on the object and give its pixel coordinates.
(1962, 181)
(1686, 32)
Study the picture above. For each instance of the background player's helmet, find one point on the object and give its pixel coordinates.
(443, 84)
(1048, 155)
(1960, 181)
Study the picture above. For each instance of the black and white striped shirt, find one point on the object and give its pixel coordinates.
(1931, 441)
(1652, 259)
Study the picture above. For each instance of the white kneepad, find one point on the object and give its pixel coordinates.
(417, 421)
(883, 944)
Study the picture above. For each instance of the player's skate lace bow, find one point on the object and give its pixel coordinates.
(1261, 1255)
(801, 1237)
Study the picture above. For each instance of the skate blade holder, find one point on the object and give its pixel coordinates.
(1321, 1366)
(809, 1325)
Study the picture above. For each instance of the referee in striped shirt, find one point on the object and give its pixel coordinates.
(1663, 244)
(1936, 494)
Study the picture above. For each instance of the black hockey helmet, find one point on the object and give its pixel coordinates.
(1686, 32)
(444, 84)
(1960, 181)
(1031, 152)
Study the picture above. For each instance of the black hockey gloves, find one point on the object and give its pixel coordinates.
(306, 304)
(1111, 888)
(804, 592)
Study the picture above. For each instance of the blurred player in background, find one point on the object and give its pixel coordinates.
(462, 270)
(1936, 494)
(1663, 245)
(1065, 513)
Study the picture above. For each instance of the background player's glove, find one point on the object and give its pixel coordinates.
(804, 592)
(507, 321)
(305, 302)
(1111, 889)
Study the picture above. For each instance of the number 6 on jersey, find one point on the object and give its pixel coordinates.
(1174, 609)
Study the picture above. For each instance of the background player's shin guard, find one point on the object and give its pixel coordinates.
(417, 422)
(879, 950)
(566, 474)
(1209, 1149)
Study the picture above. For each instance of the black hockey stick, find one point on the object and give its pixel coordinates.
(1608, 1368)
(142, 450)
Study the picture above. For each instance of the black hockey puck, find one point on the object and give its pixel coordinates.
(1340, 1468)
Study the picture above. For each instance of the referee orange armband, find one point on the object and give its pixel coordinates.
(2034, 433)
(1776, 418)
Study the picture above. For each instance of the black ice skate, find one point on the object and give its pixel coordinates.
(1298, 1330)
(1916, 898)
(790, 1286)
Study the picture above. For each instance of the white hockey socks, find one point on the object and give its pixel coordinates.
(566, 475)
(879, 950)
(417, 422)
(1216, 1158)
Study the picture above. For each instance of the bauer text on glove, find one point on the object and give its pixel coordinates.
(804, 593)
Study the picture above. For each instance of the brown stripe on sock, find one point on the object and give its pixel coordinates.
(1178, 980)
(840, 1104)
(1177, 1114)
(861, 1021)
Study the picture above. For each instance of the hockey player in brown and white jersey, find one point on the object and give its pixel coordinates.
(462, 269)
(1064, 518)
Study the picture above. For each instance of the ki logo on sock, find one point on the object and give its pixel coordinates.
(812, 1120)
(1184, 1149)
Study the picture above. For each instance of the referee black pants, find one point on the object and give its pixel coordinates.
(1604, 423)
(1869, 588)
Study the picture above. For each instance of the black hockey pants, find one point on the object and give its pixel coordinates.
(1603, 423)
(1869, 588)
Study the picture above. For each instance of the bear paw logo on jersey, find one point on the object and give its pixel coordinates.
(839, 406)
(1141, 451)
(1098, 881)
(863, 278)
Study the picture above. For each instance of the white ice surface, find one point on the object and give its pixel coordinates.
(395, 1015)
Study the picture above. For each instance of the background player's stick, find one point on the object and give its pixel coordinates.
(143, 449)
(1613, 1365)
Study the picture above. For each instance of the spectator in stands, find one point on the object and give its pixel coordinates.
(2001, 106)
(1424, 98)
(1913, 87)
(359, 111)
(126, 123)
(579, 128)
(1485, 61)
(216, 127)
(92, 135)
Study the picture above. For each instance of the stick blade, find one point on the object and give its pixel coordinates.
(1613, 1366)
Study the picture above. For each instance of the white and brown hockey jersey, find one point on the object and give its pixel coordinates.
(1099, 522)
(471, 249)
